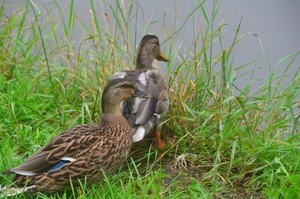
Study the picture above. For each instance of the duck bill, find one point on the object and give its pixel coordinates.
(162, 57)
(141, 94)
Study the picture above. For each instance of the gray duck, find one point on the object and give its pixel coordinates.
(144, 115)
(80, 152)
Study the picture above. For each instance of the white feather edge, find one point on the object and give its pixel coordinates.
(29, 173)
(157, 115)
(139, 134)
(118, 75)
(68, 159)
(142, 79)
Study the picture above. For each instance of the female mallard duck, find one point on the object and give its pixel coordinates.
(144, 115)
(80, 152)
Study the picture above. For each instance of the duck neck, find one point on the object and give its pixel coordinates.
(109, 117)
(116, 126)
(111, 111)
(143, 61)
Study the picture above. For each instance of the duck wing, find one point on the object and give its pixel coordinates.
(139, 111)
(62, 149)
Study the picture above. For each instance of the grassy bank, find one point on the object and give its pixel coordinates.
(232, 141)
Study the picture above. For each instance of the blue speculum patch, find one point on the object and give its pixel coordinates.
(58, 165)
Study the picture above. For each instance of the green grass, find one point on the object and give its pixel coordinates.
(241, 142)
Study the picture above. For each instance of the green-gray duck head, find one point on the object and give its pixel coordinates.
(115, 92)
(148, 50)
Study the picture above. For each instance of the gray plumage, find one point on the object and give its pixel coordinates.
(144, 115)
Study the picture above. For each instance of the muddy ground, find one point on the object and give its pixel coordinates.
(183, 174)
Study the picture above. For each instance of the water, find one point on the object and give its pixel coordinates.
(271, 29)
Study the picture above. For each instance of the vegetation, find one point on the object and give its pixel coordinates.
(232, 142)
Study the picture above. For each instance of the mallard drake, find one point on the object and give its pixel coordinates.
(80, 152)
(144, 115)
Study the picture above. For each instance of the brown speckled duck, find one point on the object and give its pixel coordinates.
(80, 152)
(144, 115)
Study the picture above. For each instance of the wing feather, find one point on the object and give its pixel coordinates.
(67, 144)
(139, 111)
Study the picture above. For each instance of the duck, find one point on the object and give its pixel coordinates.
(145, 115)
(80, 153)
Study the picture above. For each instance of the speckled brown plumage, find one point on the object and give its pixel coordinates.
(84, 150)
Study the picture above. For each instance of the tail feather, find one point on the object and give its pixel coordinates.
(12, 191)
